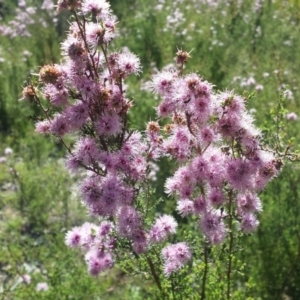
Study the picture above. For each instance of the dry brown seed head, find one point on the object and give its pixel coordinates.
(182, 57)
(192, 83)
(168, 128)
(179, 119)
(49, 74)
(29, 93)
(153, 127)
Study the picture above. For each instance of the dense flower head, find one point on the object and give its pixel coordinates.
(105, 228)
(185, 207)
(86, 150)
(108, 124)
(97, 35)
(43, 126)
(163, 226)
(76, 115)
(98, 261)
(68, 4)
(59, 125)
(128, 63)
(248, 202)
(74, 237)
(129, 221)
(249, 223)
(57, 94)
(213, 226)
(162, 82)
(42, 286)
(74, 48)
(175, 256)
(96, 7)
(97, 243)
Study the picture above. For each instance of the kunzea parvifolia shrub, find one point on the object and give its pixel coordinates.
(221, 164)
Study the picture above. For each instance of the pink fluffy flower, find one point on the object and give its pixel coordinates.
(86, 150)
(207, 135)
(165, 108)
(216, 197)
(292, 116)
(139, 241)
(108, 124)
(200, 205)
(213, 226)
(239, 174)
(88, 231)
(97, 35)
(96, 7)
(91, 191)
(162, 82)
(42, 286)
(43, 127)
(98, 261)
(185, 207)
(57, 94)
(232, 103)
(200, 168)
(74, 237)
(129, 63)
(248, 202)
(76, 115)
(175, 257)
(249, 223)
(73, 47)
(129, 220)
(72, 163)
(105, 228)
(163, 226)
(59, 125)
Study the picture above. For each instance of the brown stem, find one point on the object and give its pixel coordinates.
(105, 56)
(86, 44)
(154, 274)
(188, 122)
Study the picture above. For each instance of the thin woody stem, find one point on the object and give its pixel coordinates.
(230, 244)
(86, 44)
(154, 274)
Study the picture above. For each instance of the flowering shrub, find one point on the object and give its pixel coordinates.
(221, 162)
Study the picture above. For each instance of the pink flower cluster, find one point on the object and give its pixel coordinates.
(97, 242)
(175, 256)
(85, 96)
(211, 136)
(213, 139)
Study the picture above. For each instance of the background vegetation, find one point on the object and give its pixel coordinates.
(248, 46)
